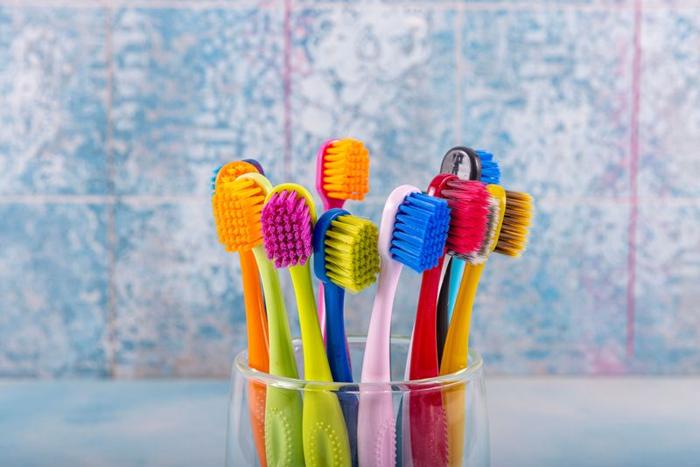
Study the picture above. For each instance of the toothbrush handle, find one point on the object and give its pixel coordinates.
(256, 319)
(376, 422)
(282, 362)
(456, 357)
(455, 279)
(456, 351)
(443, 319)
(424, 358)
(428, 422)
(321, 302)
(426, 414)
(283, 407)
(316, 366)
(258, 357)
(376, 364)
(336, 344)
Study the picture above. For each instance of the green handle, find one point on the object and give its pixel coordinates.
(325, 435)
(283, 407)
(283, 427)
(316, 366)
(282, 362)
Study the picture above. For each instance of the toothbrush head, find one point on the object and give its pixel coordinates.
(420, 231)
(237, 206)
(343, 169)
(258, 165)
(288, 219)
(469, 208)
(345, 250)
(517, 218)
(463, 162)
(490, 172)
(230, 171)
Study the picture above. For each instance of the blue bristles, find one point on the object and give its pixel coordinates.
(420, 231)
(213, 178)
(490, 173)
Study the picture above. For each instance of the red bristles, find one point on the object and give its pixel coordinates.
(469, 202)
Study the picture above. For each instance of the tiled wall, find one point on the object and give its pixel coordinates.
(113, 114)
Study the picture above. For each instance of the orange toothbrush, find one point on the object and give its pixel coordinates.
(256, 318)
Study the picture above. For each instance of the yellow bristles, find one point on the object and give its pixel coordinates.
(516, 224)
(346, 169)
(352, 257)
(237, 206)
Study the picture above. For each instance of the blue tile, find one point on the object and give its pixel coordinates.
(179, 301)
(548, 93)
(667, 296)
(53, 291)
(193, 89)
(380, 74)
(53, 124)
(670, 103)
(561, 307)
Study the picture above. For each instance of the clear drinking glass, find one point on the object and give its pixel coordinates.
(447, 415)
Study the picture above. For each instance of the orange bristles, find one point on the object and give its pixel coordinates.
(237, 206)
(516, 224)
(346, 170)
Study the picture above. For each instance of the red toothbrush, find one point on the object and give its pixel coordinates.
(468, 201)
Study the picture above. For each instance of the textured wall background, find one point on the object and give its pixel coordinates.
(113, 114)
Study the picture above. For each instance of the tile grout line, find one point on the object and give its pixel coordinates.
(633, 175)
(111, 216)
(458, 79)
(287, 88)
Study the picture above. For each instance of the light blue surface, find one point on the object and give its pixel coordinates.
(539, 422)
(113, 117)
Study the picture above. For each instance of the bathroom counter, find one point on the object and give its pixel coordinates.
(541, 422)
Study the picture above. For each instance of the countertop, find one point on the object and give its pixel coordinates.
(543, 421)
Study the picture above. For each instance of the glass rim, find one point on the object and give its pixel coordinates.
(473, 371)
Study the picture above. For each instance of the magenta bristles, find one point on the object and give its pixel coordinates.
(287, 229)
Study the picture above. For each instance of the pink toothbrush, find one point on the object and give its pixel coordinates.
(412, 233)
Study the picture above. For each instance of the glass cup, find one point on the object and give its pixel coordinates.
(436, 421)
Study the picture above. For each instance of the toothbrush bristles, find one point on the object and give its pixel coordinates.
(237, 206)
(351, 253)
(469, 203)
(516, 224)
(420, 231)
(287, 229)
(490, 172)
(346, 169)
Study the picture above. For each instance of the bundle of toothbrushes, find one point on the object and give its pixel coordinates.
(445, 231)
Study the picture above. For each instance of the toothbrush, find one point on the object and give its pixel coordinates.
(484, 168)
(345, 257)
(244, 199)
(412, 233)
(256, 318)
(468, 202)
(509, 221)
(288, 219)
(342, 173)
(489, 173)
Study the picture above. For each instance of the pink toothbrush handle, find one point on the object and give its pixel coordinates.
(376, 421)
(376, 438)
(376, 441)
